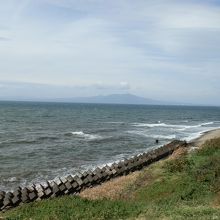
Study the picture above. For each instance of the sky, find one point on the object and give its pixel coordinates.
(166, 50)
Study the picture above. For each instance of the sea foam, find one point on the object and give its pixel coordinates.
(155, 136)
(81, 134)
(170, 125)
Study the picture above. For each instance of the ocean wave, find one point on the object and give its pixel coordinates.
(155, 136)
(193, 136)
(179, 127)
(149, 125)
(168, 137)
(81, 134)
(115, 122)
(185, 127)
(10, 179)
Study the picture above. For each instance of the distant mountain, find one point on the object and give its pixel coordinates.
(115, 99)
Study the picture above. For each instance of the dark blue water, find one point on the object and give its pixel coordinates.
(40, 141)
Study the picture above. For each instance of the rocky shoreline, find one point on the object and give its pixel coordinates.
(72, 185)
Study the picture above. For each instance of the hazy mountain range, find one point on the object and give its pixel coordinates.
(115, 99)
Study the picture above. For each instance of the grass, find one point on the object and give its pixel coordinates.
(183, 188)
(69, 207)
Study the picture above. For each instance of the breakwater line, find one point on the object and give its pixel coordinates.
(71, 185)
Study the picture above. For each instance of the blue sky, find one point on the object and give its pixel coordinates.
(160, 49)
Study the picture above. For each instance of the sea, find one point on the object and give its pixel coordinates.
(43, 141)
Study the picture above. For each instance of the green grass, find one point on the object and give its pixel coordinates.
(185, 188)
(69, 207)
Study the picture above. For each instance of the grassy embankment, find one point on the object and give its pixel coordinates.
(186, 187)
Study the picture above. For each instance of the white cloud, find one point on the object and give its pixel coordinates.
(146, 47)
(125, 85)
(195, 16)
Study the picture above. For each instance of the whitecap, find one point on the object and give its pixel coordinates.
(155, 136)
(207, 123)
(115, 122)
(179, 127)
(169, 137)
(193, 136)
(81, 134)
(148, 125)
(11, 179)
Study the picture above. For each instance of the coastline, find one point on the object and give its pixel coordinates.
(107, 182)
(158, 191)
(207, 135)
(113, 188)
(88, 179)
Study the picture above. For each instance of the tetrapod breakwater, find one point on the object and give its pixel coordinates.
(72, 185)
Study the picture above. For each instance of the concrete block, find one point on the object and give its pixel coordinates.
(115, 167)
(58, 182)
(55, 189)
(25, 198)
(131, 166)
(30, 188)
(41, 194)
(114, 172)
(75, 185)
(17, 193)
(103, 173)
(108, 169)
(89, 172)
(2, 196)
(68, 186)
(120, 165)
(70, 179)
(45, 185)
(16, 200)
(39, 188)
(122, 170)
(1, 201)
(79, 175)
(126, 161)
(98, 172)
(2, 193)
(131, 160)
(88, 180)
(63, 179)
(8, 195)
(33, 196)
(62, 188)
(48, 192)
(78, 180)
(95, 178)
(24, 191)
(84, 175)
(85, 181)
(7, 202)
